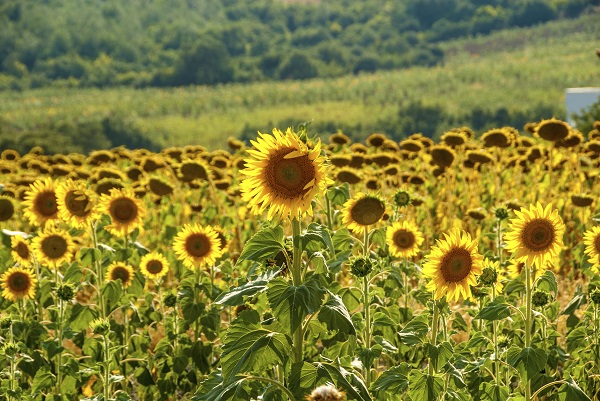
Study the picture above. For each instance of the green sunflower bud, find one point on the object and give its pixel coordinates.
(100, 326)
(66, 292)
(10, 348)
(5, 322)
(595, 296)
(361, 266)
(170, 300)
(402, 198)
(488, 277)
(540, 298)
(501, 213)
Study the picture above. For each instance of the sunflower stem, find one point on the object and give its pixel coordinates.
(367, 308)
(328, 213)
(297, 281)
(434, 331)
(528, 322)
(98, 266)
(496, 348)
(61, 312)
(405, 275)
(107, 358)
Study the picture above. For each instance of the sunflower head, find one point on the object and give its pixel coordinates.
(536, 235)
(442, 155)
(66, 292)
(501, 213)
(53, 246)
(283, 175)
(454, 138)
(453, 266)
(362, 211)
(120, 271)
(7, 208)
(595, 296)
(591, 240)
(40, 203)
(21, 251)
(154, 265)
(100, 326)
(339, 138)
(18, 283)
(197, 246)
(361, 266)
(540, 298)
(125, 210)
(404, 239)
(75, 203)
(376, 140)
(349, 175)
(326, 392)
(497, 137)
(552, 129)
(169, 300)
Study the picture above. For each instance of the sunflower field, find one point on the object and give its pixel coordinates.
(297, 269)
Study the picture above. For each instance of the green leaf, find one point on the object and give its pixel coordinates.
(459, 323)
(493, 392)
(43, 380)
(382, 319)
(415, 331)
(214, 389)
(393, 381)
(88, 256)
(439, 354)
(311, 375)
(577, 301)
(291, 304)
(547, 282)
(570, 391)
(266, 243)
(351, 296)
(314, 235)
(81, 316)
(235, 296)
(378, 237)
(248, 347)
(143, 376)
(342, 240)
(577, 338)
(529, 361)
(423, 387)
(498, 309)
(335, 315)
(319, 263)
(339, 195)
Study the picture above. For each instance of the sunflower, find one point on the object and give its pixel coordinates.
(20, 250)
(454, 138)
(453, 266)
(497, 137)
(376, 140)
(75, 203)
(403, 239)
(154, 265)
(552, 129)
(7, 208)
(283, 175)
(339, 138)
(125, 210)
(362, 210)
(190, 170)
(591, 239)
(18, 283)
(442, 155)
(40, 202)
(120, 271)
(53, 246)
(411, 145)
(197, 246)
(340, 160)
(536, 235)
(349, 175)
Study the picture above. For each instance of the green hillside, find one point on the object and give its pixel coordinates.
(507, 78)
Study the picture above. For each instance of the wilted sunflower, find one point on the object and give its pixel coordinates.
(120, 271)
(53, 246)
(283, 175)
(7, 208)
(497, 137)
(160, 186)
(75, 203)
(591, 239)
(454, 138)
(154, 265)
(20, 250)
(582, 200)
(40, 202)
(125, 210)
(339, 138)
(194, 169)
(411, 145)
(349, 175)
(442, 155)
(197, 246)
(376, 140)
(552, 129)
(18, 283)
(453, 266)
(403, 239)
(536, 235)
(361, 211)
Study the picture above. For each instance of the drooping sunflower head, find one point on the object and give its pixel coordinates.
(125, 210)
(453, 266)
(18, 283)
(53, 246)
(120, 271)
(160, 186)
(7, 208)
(362, 211)
(21, 251)
(40, 202)
(197, 246)
(154, 265)
(536, 235)
(552, 129)
(283, 175)
(454, 138)
(339, 138)
(497, 137)
(404, 239)
(75, 203)
(349, 175)
(442, 155)
(591, 239)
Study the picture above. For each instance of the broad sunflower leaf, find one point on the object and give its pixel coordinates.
(528, 361)
(498, 309)
(392, 383)
(215, 389)
(235, 296)
(424, 387)
(266, 243)
(415, 331)
(291, 304)
(570, 391)
(547, 282)
(319, 234)
(335, 315)
(439, 354)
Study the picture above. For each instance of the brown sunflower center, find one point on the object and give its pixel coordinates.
(124, 210)
(54, 246)
(19, 282)
(120, 272)
(287, 178)
(404, 239)
(45, 204)
(77, 203)
(597, 243)
(154, 266)
(367, 211)
(197, 245)
(456, 265)
(22, 250)
(7, 209)
(538, 235)
(194, 170)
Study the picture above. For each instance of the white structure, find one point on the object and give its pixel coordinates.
(579, 99)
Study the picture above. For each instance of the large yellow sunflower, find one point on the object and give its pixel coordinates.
(75, 203)
(197, 246)
(591, 239)
(404, 239)
(20, 250)
(536, 235)
(125, 210)
(18, 283)
(283, 175)
(120, 271)
(453, 266)
(40, 202)
(362, 210)
(53, 246)
(154, 265)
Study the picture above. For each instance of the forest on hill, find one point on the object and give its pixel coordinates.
(164, 43)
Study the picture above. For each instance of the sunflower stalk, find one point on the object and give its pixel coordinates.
(528, 322)
(107, 358)
(61, 313)
(98, 266)
(297, 280)
(434, 331)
